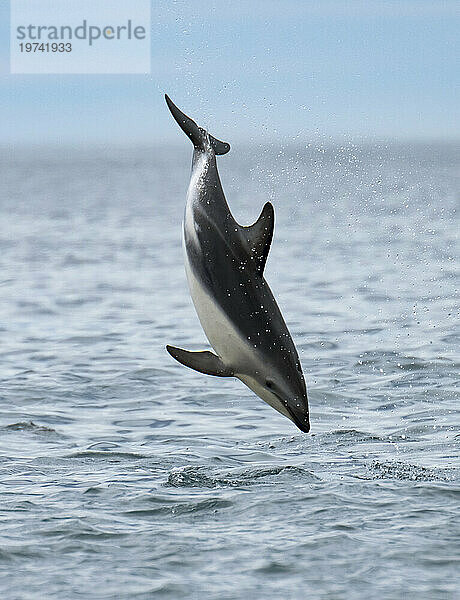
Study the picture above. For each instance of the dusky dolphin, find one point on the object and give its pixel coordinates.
(225, 262)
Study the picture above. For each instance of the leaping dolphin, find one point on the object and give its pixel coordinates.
(225, 262)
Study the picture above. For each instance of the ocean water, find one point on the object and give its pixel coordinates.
(125, 475)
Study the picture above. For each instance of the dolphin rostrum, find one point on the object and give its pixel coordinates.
(225, 262)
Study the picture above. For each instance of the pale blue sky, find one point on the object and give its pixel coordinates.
(259, 70)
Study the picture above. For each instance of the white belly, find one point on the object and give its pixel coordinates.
(222, 335)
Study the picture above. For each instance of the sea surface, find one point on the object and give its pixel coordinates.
(124, 475)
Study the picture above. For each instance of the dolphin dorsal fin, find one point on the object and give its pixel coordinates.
(259, 237)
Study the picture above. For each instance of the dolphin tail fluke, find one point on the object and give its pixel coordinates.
(195, 133)
(204, 362)
(218, 146)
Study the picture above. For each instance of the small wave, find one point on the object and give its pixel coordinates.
(71, 260)
(93, 490)
(94, 454)
(23, 506)
(346, 436)
(210, 504)
(190, 477)
(29, 426)
(405, 472)
(146, 422)
(78, 301)
(18, 553)
(319, 345)
(147, 374)
(96, 535)
(70, 376)
(274, 568)
(199, 477)
(451, 338)
(88, 340)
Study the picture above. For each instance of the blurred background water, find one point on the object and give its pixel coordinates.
(125, 475)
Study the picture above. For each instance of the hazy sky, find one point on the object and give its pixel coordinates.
(379, 69)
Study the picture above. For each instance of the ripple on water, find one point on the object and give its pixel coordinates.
(407, 472)
(209, 505)
(190, 476)
(123, 474)
(29, 426)
(106, 455)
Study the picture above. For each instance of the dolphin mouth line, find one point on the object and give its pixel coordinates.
(303, 426)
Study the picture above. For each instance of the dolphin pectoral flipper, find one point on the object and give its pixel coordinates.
(259, 237)
(204, 362)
